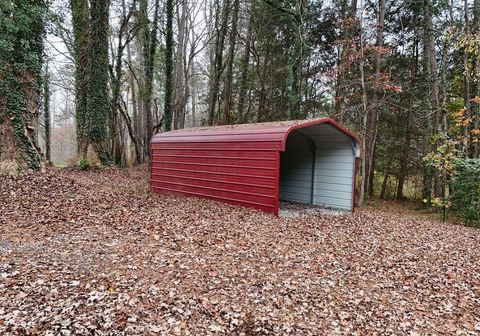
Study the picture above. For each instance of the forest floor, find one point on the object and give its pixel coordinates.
(96, 253)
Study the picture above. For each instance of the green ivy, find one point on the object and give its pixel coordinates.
(466, 190)
(22, 26)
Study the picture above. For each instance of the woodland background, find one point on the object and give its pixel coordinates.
(86, 81)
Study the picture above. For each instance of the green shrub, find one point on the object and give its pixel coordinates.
(83, 164)
(465, 194)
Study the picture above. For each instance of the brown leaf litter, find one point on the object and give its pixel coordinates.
(95, 253)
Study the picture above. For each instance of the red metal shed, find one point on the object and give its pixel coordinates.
(256, 165)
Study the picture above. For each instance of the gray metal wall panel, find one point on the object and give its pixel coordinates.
(296, 169)
(333, 186)
(296, 197)
(338, 158)
(333, 165)
(333, 203)
(334, 173)
(346, 151)
(338, 180)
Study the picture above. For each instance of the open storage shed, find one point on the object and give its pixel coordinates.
(257, 165)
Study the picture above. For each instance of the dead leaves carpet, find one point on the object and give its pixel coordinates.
(94, 253)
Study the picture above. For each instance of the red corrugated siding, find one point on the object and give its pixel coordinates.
(236, 173)
(233, 165)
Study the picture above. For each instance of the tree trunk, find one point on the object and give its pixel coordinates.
(245, 66)
(432, 66)
(430, 55)
(218, 63)
(135, 139)
(262, 94)
(295, 97)
(476, 80)
(467, 112)
(168, 111)
(193, 89)
(81, 36)
(149, 51)
(98, 101)
(23, 28)
(404, 157)
(341, 61)
(371, 182)
(347, 13)
(365, 172)
(372, 114)
(115, 122)
(385, 179)
(180, 99)
(134, 127)
(231, 54)
(116, 125)
(46, 113)
(405, 151)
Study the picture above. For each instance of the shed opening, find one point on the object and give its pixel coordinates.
(318, 167)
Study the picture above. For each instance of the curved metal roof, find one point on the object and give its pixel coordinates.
(268, 132)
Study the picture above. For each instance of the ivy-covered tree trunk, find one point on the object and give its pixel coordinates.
(81, 36)
(92, 98)
(22, 27)
(98, 102)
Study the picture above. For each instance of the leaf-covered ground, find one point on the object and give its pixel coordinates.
(96, 253)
